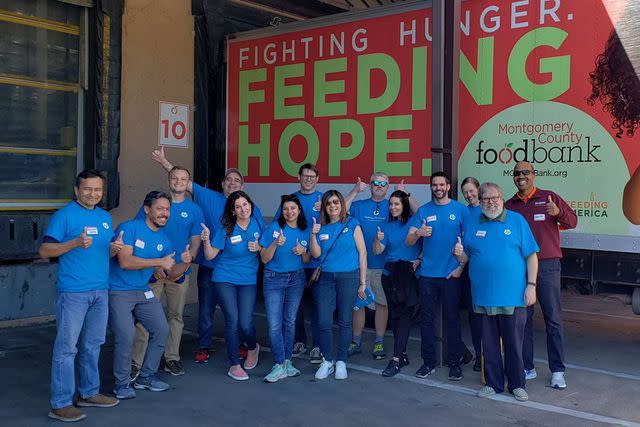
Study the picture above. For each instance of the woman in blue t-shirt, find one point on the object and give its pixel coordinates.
(469, 188)
(398, 277)
(339, 245)
(284, 252)
(236, 247)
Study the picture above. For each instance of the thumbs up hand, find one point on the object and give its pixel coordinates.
(298, 249)
(315, 229)
(186, 256)
(158, 155)
(84, 241)
(118, 244)
(317, 204)
(254, 246)
(360, 186)
(424, 230)
(552, 208)
(458, 249)
(380, 235)
(401, 187)
(281, 240)
(205, 234)
(168, 262)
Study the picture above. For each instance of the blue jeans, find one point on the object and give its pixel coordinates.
(301, 332)
(207, 301)
(124, 307)
(335, 290)
(81, 324)
(282, 295)
(237, 304)
(432, 291)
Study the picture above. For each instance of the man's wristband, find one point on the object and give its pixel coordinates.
(531, 284)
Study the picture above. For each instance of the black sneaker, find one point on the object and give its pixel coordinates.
(404, 360)
(477, 366)
(455, 373)
(467, 356)
(174, 367)
(392, 369)
(425, 370)
(135, 371)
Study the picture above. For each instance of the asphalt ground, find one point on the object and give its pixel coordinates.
(603, 384)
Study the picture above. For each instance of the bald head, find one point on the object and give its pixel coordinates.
(523, 177)
(523, 165)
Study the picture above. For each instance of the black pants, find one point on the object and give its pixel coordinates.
(301, 332)
(475, 320)
(511, 329)
(400, 315)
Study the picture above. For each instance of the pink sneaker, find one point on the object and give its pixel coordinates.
(252, 358)
(237, 373)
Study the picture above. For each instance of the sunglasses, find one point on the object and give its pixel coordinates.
(525, 172)
(380, 183)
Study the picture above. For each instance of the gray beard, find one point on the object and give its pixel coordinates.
(490, 215)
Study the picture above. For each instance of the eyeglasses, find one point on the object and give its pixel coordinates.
(309, 177)
(494, 199)
(525, 172)
(334, 202)
(380, 183)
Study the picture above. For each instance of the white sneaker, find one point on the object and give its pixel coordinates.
(341, 370)
(326, 368)
(558, 381)
(530, 374)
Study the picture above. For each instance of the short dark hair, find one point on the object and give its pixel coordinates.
(88, 173)
(406, 206)
(302, 220)
(309, 166)
(152, 196)
(179, 168)
(440, 174)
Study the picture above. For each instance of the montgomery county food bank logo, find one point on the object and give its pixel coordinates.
(529, 150)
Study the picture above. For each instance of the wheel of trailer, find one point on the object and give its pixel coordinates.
(635, 301)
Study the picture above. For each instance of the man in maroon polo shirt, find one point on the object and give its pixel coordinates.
(546, 213)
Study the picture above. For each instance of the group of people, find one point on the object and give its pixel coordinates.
(497, 257)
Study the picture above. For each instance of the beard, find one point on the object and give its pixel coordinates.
(492, 213)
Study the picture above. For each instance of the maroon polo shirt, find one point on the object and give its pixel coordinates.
(545, 228)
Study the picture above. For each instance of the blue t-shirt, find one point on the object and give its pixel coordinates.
(236, 264)
(497, 259)
(308, 202)
(147, 244)
(371, 215)
(284, 260)
(82, 270)
(474, 211)
(447, 222)
(184, 221)
(395, 246)
(212, 205)
(343, 256)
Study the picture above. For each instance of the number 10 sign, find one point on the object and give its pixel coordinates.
(173, 126)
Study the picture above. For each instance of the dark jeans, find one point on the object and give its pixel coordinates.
(207, 300)
(432, 291)
(335, 291)
(475, 320)
(237, 304)
(301, 332)
(400, 315)
(282, 294)
(548, 295)
(511, 329)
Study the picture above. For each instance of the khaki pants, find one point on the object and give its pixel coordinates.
(175, 298)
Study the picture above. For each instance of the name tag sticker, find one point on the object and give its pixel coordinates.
(148, 294)
(92, 231)
(235, 239)
(481, 233)
(323, 237)
(139, 244)
(275, 234)
(540, 203)
(539, 217)
(432, 218)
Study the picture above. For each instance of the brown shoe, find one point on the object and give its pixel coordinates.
(98, 401)
(68, 414)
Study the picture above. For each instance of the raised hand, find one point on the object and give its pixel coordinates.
(205, 234)
(118, 244)
(186, 256)
(158, 156)
(298, 249)
(254, 246)
(401, 187)
(168, 262)
(380, 235)
(360, 186)
(315, 229)
(318, 204)
(281, 240)
(552, 208)
(84, 241)
(458, 249)
(424, 230)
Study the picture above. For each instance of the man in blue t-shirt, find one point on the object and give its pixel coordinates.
(212, 205)
(439, 223)
(372, 213)
(80, 236)
(503, 267)
(182, 228)
(146, 248)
